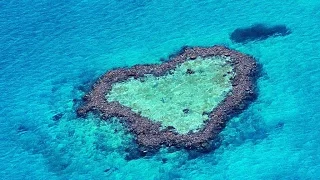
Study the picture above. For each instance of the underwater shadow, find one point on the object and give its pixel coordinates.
(258, 32)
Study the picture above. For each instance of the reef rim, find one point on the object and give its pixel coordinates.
(148, 133)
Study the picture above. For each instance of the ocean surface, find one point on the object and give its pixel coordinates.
(52, 51)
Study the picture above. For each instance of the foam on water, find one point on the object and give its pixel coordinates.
(51, 53)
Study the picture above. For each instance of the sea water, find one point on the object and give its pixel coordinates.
(51, 52)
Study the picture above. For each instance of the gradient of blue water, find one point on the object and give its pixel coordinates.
(48, 49)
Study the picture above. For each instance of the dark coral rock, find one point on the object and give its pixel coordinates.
(134, 153)
(57, 117)
(170, 128)
(22, 128)
(186, 111)
(107, 170)
(190, 71)
(164, 160)
(258, 32)
(163, 59)
(110, 170)
(279, 125)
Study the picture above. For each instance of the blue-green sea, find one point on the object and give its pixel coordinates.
(52, 51)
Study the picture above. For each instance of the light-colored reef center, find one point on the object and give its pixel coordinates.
(183, 97)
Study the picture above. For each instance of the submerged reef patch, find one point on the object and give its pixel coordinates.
(183, 102)
(258, 32)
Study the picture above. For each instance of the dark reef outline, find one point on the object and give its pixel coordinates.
(148, 134)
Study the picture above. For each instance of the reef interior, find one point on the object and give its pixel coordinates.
(180, 99)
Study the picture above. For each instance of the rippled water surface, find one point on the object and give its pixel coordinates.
(51, 52)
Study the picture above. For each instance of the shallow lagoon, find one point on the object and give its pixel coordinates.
(178, 99)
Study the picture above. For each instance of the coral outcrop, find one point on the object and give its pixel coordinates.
(150, 133)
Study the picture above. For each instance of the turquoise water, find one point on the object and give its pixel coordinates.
(50, 52)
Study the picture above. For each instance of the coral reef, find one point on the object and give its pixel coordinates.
(151, 134)
(258, 32)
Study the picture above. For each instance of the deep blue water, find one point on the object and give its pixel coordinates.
(51, 51)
